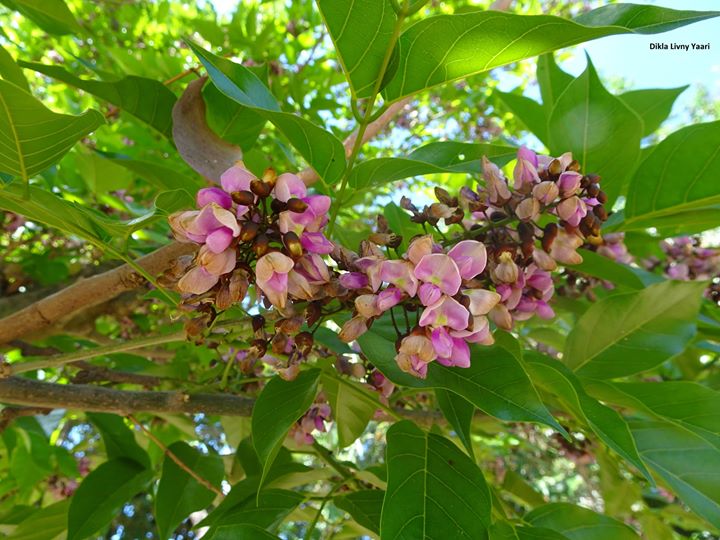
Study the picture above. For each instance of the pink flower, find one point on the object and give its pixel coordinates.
(315, 242)
(442, 341)
(447, 312)
(506, 270)
(546, 192)
(496, 184)
(416, 351)
(400, 274)
(389, 298)
(564, 246)
(544, 260)
(213, 225)
(572, 210)
(470, 257)
(236, 178)
(482, 301)
(288, 186)
(418, 248)
(440, 270)
(569, 183)
(313, 267)
(312, 219)
(479, 333)
(299, 287)
(525, 172)
(214, 195)
(372, 266)
(271, 276)
(528, 209)
(353, 329)
(353, 280)
(367, 305)
(429, 294)
(207, 271)
(459, 355)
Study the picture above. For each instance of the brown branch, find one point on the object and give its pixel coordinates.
(176, 459)
(8, 414)
(87, 292)
(27, 392)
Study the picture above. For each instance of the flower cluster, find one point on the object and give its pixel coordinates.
(496, 268)
(314, 419)
(265, 230)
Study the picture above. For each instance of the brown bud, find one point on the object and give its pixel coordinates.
(270, 177)
(381, 224)
(304, 342)
(527, 248)
(292, 244)
(296, 205)
(526, 231)
(244, 198)
(497, 216)
(457, 217)
(444, 197)
(381, 239)
(555, 167)
(593, 190)
(395, 241)
(278, 206)
(289, 325)
(260, 188)
(406, 204)
(600, 212)
(601, 197)
(574, 166)
(261, 245)
(258, 323)
(279, 343)
(248, 231)
(313, 313)
(549, 234)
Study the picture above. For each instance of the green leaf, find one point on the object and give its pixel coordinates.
(278, 407)
(102, 494)
(552, 81)
(578, 523)
(686, 461)
(444, 48)
(321, 149)
(653, 106)
(243, 531)
(606, 269)
(599, 129)
(33, 137)
(529, 111)
(689, 405)
(179, 494)
(517, 486)
(147, 100)
(160, 176)
(679, 176)
(230, 120)
(10, 71)
(434, 158)
(45, 524)
(612, 429)
(496, 382)
(53, 16)
(459, 412)
(434, 489)
(361, 34)
(118, 438)
(268, 510)
(364, 506)
(633, 332)
(351, 410)
(399, 222)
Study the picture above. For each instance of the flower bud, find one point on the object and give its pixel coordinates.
(248, 231)
(258, 323)
(270, 177)
(277, 206)
(543, 260)
(289, 325)
(304, 342)
(260, 188)
(439, 211)
(506, 269)
(353, 329)
(261, 245)
(555, 167)
(546, 192)
(501, 317)
(569, 183)
(444, 197)
(292, 244)
(244, 198)
(406, 204)
(528, 209)
(296, 205)
(600, 212)
(549, 234)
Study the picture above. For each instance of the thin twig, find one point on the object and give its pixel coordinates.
(176, 459)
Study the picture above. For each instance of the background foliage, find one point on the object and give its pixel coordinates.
(603, 423)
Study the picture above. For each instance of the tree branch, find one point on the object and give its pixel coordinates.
(88, 292)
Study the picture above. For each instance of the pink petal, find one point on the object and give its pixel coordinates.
(439, 269)
(219, 240)
(470, 257)
(197, 281)
(236, 178)
(289, 185)
(213, 195)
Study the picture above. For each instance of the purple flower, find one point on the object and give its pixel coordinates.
(316, 242)
(429, 294)
(236, 178)
(569, 183)
(400, 274)
(447, 312)
(207, 271)
(389, 298)
(470, 257)
(288, 186)
(525, 172)
(440, 270)
(354, 280)
(215, 195)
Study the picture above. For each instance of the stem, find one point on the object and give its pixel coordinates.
(367, 117)
(326, 455)
(62, 359)
(366, 397)
(176, 459)
(324, 501)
